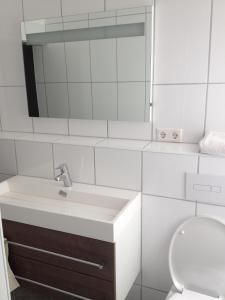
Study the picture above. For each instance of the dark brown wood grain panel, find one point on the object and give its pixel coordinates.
(92, 250)
(80, 284)
(42, 292)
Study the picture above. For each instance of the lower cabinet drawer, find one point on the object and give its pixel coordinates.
(79, 254)
(43, 292)
(80, 285)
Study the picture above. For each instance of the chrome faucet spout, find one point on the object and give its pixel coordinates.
(64, 175)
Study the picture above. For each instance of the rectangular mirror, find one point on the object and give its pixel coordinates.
(93, 66)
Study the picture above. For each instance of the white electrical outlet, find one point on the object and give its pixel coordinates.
(174, 135)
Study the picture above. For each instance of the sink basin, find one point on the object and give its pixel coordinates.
(86, 210)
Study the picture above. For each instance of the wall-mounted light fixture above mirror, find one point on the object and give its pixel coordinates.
(93, 66)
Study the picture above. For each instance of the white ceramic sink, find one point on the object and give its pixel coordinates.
(85, 210)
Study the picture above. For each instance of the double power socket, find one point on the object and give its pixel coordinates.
(174, 135)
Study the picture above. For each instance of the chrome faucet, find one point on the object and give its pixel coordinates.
(64, 175)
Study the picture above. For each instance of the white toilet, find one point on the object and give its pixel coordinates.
(197, 260)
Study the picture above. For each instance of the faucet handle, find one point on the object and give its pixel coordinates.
(62, 167)
(64, 175)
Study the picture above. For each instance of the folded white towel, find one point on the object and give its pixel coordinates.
(213, 143)
(13, 283)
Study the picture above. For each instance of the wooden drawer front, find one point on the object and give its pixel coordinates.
(84, 255)
(45, 292)
(64, 280)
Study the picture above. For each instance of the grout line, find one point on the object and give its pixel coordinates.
(91, 77)
(45, 83)
(107, 124)
(53, 159)
(67, 81)
(1, 128)
(104, 5)
(152, 69)
(13, 86)
(141, 278)
(180, 83)
(168, 197)
(209, 63)
(68, 127)
(23, 12)
(17, 169)
(196, 203)
(146, 54)
(95, 179)
(61, 10)
(32, 121)
(83, 82)
(117, 78)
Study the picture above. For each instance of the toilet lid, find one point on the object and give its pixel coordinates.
(197, 257)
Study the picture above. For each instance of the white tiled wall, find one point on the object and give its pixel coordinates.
(79, 158)
(118, 168)
(184, 69)
(164, 174)
(34, 159)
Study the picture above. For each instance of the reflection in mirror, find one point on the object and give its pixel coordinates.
(93, 66)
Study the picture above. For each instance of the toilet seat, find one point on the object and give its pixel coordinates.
(197, 259)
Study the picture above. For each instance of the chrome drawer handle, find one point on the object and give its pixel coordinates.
(86, 262)
(52, 288)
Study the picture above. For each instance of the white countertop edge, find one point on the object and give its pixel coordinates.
(108, 143)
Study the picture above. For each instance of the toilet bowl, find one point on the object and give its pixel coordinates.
(197, 260)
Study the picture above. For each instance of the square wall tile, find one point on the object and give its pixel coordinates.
(212, 165)
(104, 101)
(41, 9)
(131, 101)
(88, 128)
(117, 4)
(80, 160)
(73, 7)
(149, 294)
(130, 130)
(135, 293)
(34, 159)
(57, 100)
(160, 219)
(118, 168)
(180, 106)
(78, 61)
(182, 41)
(103, 60)
(216, 108)
(217, 59)
(7, 157)
(11, 59)
(14, 109)
(164, 174)
(80, 100)
(54, 62)
(131, 58)
(51, 126)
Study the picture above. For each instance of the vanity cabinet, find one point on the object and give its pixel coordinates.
(78, 267)
(87, 246)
